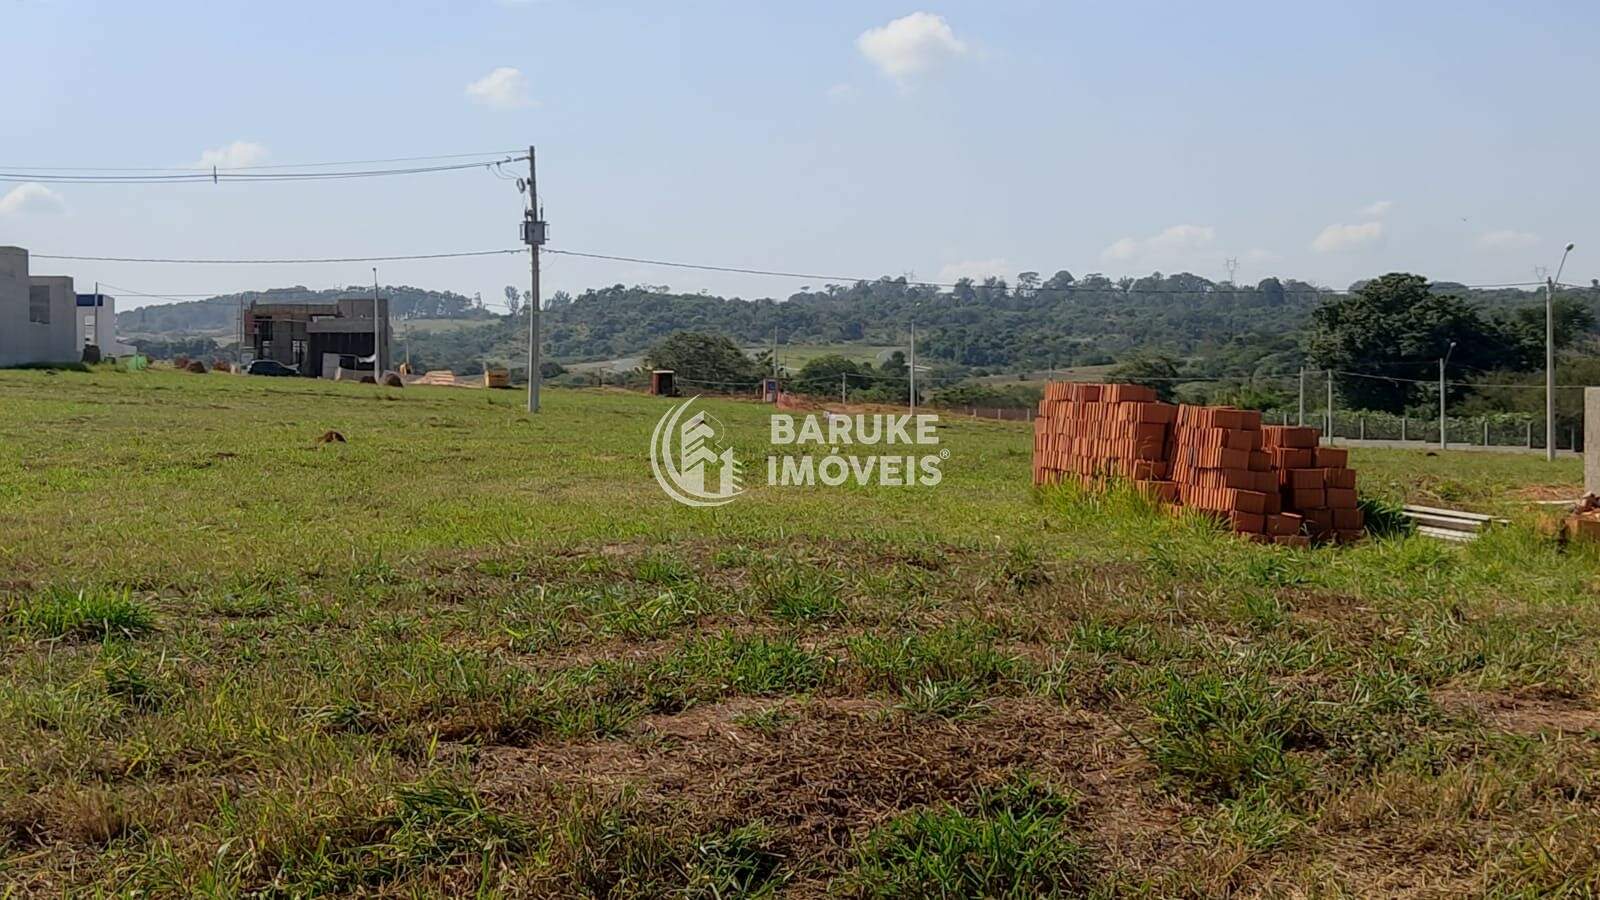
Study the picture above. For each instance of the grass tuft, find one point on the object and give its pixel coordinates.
(86, 614)
(1011, 841)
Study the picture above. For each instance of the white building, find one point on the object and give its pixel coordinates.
(38, 319)
(97, 324)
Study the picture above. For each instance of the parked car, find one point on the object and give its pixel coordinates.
(268, 367)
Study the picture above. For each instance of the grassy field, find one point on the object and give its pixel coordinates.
(473, 652)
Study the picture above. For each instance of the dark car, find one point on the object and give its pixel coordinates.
(268, 367)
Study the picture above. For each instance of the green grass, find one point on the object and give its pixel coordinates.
(1013, 841)
(474, 652)
(62, 613)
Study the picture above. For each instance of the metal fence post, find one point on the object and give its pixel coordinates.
(1362, 428)
(1403, 420)
(1529, 423)
(1486, 431)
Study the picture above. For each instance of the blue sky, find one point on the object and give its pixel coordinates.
(1323, 141)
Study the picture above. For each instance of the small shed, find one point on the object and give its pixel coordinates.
(663, 383)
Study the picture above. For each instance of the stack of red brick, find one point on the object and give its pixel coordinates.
(1317, 482)
(1273, 483)
(1091, 432)
(1220, 466)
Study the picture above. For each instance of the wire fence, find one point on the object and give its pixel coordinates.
(1501, 430)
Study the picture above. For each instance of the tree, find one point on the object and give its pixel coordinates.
(822, 374)
(1157, 371)
(1393, 329)
(1573, 318)
(1271, 290)
(708, 360)
(513, 300)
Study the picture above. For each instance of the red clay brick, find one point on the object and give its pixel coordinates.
(1284, 523)
(1305, 478)
(1341, 498)
(1340, 478)
(1307, 498)
(1333, 457)
(1247, 522)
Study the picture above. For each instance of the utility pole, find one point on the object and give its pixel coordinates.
(1550, 358)
(238, 350)
(377, 334)
(1330, 406)
(533, 234)
(843, 388)
(1443, 360)
(1549, 368)
(913, 368)
(1301, 421)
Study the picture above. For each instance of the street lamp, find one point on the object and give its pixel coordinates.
(1442, 361)
(1550, 357)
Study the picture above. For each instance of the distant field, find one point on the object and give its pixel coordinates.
(424, 326)
(790, 356)
(793, 356)
(470, 652)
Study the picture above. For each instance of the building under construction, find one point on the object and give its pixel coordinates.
(319, 338)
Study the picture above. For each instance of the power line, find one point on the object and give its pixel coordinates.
(219, 175)
(207, 169)
(273, 262)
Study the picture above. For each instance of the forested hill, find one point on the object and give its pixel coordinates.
(1061, 320)
(220, 315)
(1031, 323)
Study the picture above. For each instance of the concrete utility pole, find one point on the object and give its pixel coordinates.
(377, 333)
(238, 350)
(533, 234)
(1443, 360)
(913, 369)
(1550, 357)
(1330, 406)
(1302, 420)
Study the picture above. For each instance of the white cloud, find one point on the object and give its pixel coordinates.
(910, 45)
(1378, 209)
(976, 269)
(1507, 239)
(233, 156)
(1171, 243)
(1122, 248)
(503, 88)
(31, 197)
(1347, 237)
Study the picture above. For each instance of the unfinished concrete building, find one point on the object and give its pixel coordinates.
(38, 314)
(319, 338)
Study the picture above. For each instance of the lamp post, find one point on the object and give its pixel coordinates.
(1442, 361)
(1550, 357)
